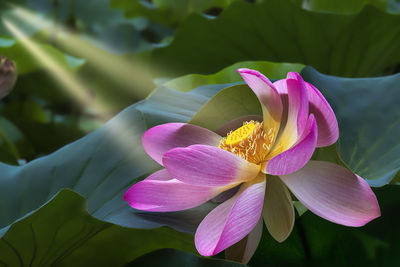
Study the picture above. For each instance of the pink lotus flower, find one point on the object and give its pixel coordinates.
(263, 161)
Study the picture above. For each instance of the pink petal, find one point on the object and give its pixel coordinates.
(245, 248)
(267, 95)
(159, 139)
(328, 130)
(298, 101)
(231, 221)
(334, 193)
(208, 166)
(297, 109)
(161, 192)
(278, 211)
(296, 157)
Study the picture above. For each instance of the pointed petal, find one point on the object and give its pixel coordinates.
(297, 111)
(278, 211)
(328, 130)
(159, 139)
(208, 166)
(334, 193)
(161, 192)
(245, 248)
(296, 157)
(267, 95)
(231, 221)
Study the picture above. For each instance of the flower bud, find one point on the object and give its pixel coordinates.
(8, 76)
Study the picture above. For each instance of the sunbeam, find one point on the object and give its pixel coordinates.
(131, 74)
(120, 133)
(77, 89)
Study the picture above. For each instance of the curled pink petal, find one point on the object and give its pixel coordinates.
(208, 166)
(159, 139)
(298, 99)
(267, 95)
(232, 220)
(161, 192)
(296, 157)
(297, 110)
(328, 130)
(334, 193)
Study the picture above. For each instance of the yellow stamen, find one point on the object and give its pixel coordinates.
(250, 142)
(240, 134)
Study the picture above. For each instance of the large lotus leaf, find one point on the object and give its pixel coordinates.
(338, 44)
(62, 233)
(102, 165)
(229, 74)
(369, 119)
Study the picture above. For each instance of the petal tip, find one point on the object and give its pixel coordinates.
(294, 75)
(256, 73)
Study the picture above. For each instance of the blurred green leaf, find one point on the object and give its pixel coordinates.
(27, 61)
(96, 22)
(344, 6)
(337, 44)
(230, 75)
(173, 258)
(62, 233)
(8, 151)
(169, 12)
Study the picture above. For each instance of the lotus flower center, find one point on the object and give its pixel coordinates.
(249, 142)
(240, 134)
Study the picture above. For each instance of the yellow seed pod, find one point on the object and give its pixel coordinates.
(240, 134)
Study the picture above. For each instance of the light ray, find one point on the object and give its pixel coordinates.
(121, 132)
(78, 90)
(131, 74)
